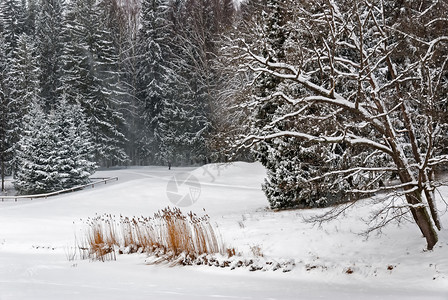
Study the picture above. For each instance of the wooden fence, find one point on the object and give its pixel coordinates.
(75, 188)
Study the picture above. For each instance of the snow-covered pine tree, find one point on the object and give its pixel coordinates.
(176, 78)
(278, 187)
(154, 77)
(180, 127)
(37, 156)
(279, 156)
(196, 23)
(49, 28)
(22, 86)
(11, 17)
(30, 16)
(17, 77)
(73, 143)
(23, 73)
(54, 151)
(5, 120)
(90, 71)
(71, 57)
(122, 19)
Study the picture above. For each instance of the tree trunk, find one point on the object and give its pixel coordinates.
(430, 198)
(3, 174)
(414, 198)
(422, 218)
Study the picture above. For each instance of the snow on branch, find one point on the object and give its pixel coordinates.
(410, 187)
(352, 171)
(438, 160)
(338, 101)
(436, 20)
(349, 138)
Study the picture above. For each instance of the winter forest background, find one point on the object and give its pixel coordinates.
(338, 99)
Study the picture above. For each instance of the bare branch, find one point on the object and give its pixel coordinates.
(351, 139)
(352, 171)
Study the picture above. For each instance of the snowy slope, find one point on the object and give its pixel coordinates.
(35, 238)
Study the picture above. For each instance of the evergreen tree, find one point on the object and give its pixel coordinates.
(23, 74)
(73, 142)
(54, 151)
(12, 18)
(187, 117)
(30, 16)
(50, 46)
(280, 186)
(17, 84)
(181, 139)
(5, 119)
(290, 163)
(90, 71)
(22, 87)
(177, 78)
(154, 77)
(122, 19)
(37, 156)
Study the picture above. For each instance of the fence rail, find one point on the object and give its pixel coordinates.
(75, 188)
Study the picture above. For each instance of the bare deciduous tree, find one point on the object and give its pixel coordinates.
(377, 72)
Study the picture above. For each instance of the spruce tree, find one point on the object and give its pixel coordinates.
(23, 73)
(49, 28)
(12, 19)
(90, 72)
(154, 77)
(73, 142)
(278, 190)
(122, 20)
(5, 120)
(178, 124)
(37, 156)
(186, 118)
(22, 86)
(55, 151)
(30, 17)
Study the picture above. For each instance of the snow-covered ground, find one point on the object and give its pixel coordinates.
(36, 237)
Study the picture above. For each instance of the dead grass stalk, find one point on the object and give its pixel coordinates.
(168, 233)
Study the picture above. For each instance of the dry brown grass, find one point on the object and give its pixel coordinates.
(99, 240)
(256, 250)
(169, 233)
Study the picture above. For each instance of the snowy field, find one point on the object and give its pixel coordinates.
(36, 237)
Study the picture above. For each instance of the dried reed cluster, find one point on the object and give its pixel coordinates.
(168, 234)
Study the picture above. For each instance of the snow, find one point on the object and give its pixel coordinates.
(36, 237)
